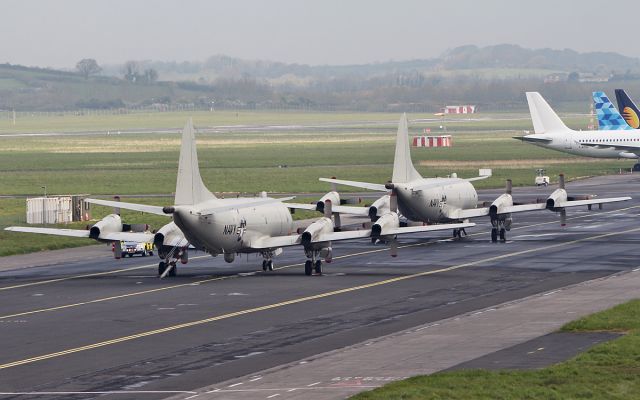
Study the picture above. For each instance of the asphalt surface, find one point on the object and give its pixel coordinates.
(93, 325)
(540, 352)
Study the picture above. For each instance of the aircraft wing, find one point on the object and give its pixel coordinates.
(157, 210)
(484, 211)
(352, 210)
(576, 203)
(480, 212)
(274, 242)
(294, 240)
(364, 185)
(300, 206)
(429, 228)
(82, 233)
(468, 213)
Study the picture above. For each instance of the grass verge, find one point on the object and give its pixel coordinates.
(607, 371)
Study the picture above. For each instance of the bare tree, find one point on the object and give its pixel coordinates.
(150, 75)
(87, 67)
(131, 71)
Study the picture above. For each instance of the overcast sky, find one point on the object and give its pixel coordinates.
(61, 32)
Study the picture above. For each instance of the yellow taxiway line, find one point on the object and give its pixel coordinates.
(299, 300)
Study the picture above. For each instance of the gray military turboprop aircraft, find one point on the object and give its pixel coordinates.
(237, 225)
(445, 200)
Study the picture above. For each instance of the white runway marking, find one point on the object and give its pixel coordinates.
(132, 392)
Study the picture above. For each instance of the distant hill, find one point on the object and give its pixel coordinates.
(493, 77)
(522, 61)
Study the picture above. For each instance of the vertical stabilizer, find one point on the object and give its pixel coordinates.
(628, 109)
(544, 119)
(609, 119)
(403, 170)
(189, 187)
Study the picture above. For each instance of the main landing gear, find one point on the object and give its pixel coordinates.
(495, 232)
(168, 266)
(458, 233)
(267, 265)
(163, 266)
(313, 264)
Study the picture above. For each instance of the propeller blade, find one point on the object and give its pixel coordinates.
(563, 217)
(393, 245)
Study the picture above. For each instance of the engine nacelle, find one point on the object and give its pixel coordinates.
(504, 200)
(333, 197)
(163, 234)
(229, 257)
(558, 196)
(380, 206)
(110, 223)
(317, 228)
(384, 224)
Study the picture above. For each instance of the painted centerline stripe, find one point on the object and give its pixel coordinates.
(300, 300)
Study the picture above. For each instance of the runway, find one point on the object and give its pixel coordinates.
(96, 325)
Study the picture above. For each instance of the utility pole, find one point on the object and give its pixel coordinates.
(14, 117)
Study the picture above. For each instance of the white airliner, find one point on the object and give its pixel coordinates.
(237, 225)
(444, 200)
(552, 133)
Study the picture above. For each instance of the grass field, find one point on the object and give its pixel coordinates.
(607, 371)
(348, 146)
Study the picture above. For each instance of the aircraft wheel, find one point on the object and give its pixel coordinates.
(308, 267)
(503, 235)
(144, 254)
(264, 265)
(174, 270)
(494, 235)
(318, 267)
(161, 268)
(270, 265)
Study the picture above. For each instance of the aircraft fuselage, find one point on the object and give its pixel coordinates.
(231, 231)
(572, 142)
(431, 200)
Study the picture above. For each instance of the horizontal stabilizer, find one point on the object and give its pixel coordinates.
(128, 206)
(364, 185)
(534, 139)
